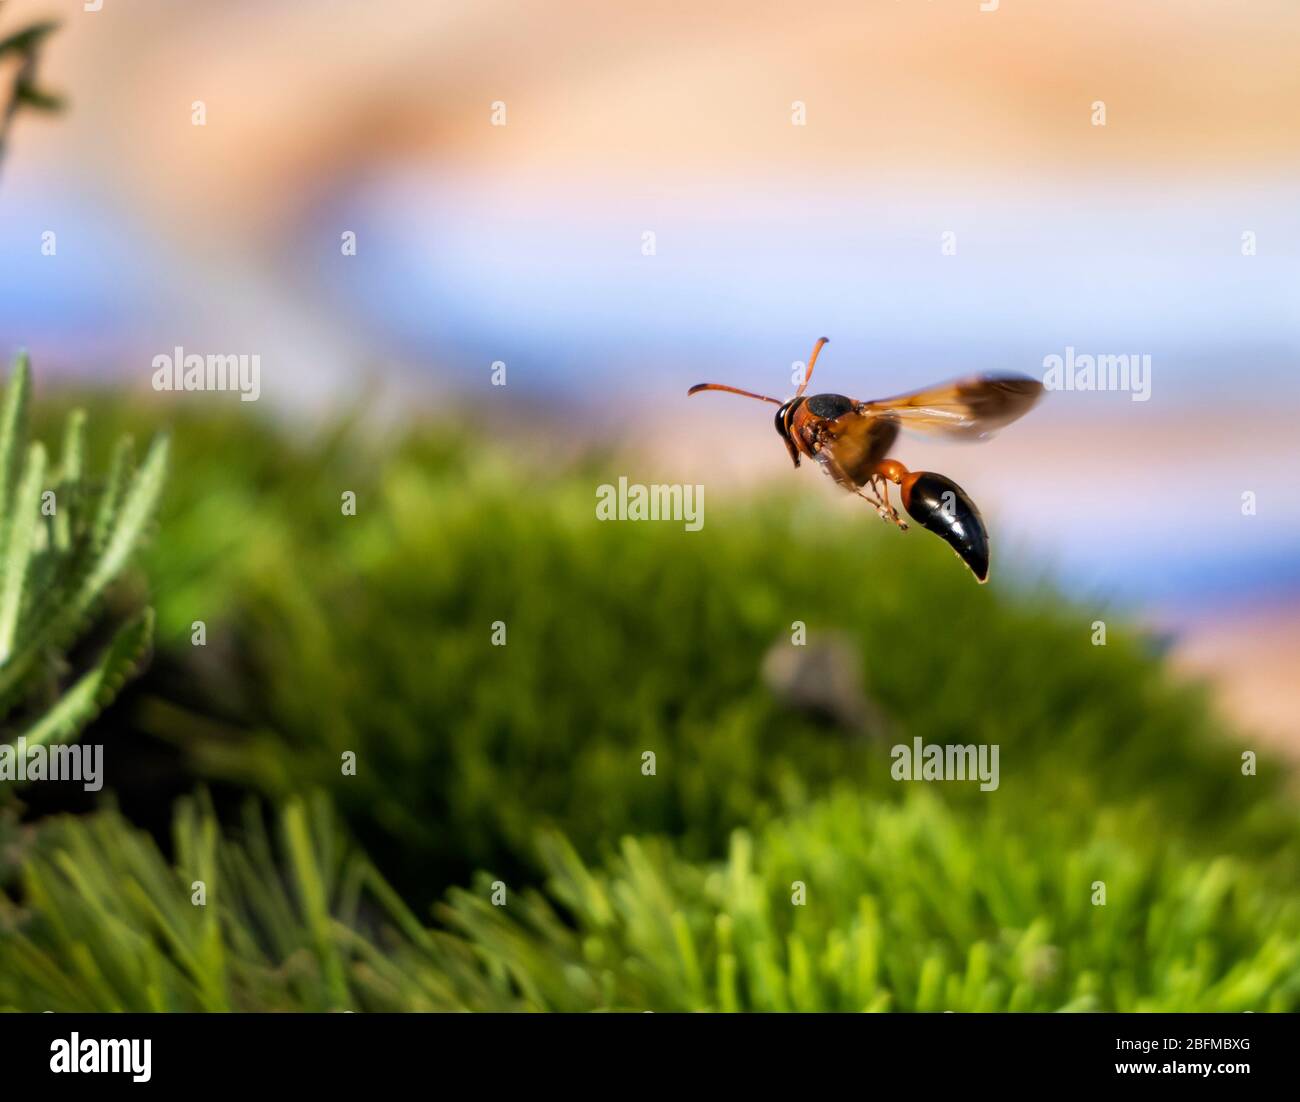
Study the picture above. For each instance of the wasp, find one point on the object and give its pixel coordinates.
(851, 441)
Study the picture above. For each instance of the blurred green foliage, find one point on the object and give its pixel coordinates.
(372, 634)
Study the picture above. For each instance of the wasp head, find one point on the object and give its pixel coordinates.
(783, 416)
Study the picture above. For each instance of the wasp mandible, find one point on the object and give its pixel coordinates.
(851, 440)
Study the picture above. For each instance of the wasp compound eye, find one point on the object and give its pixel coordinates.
(783, 429)
(940, 505)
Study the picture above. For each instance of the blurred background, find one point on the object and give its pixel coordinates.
(522, 243)
(924, 182)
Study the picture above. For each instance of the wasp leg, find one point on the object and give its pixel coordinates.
(884, 510)
(887, 511)
(871, 498)
(877, 481)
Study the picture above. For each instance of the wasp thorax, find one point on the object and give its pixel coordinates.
(830, 406)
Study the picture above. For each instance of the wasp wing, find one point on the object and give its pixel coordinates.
(853, 444)
(973, 408)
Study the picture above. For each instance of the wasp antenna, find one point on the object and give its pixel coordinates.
(811, 360)
(731, 390)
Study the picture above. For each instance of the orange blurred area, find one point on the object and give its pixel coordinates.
(298, 91)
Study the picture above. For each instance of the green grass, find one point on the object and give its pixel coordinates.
(108, 925)
(905, 906)
(65, 539)
(372, 634)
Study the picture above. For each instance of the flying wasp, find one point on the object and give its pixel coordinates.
(851, 441)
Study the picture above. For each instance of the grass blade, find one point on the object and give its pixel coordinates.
(23, 521)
